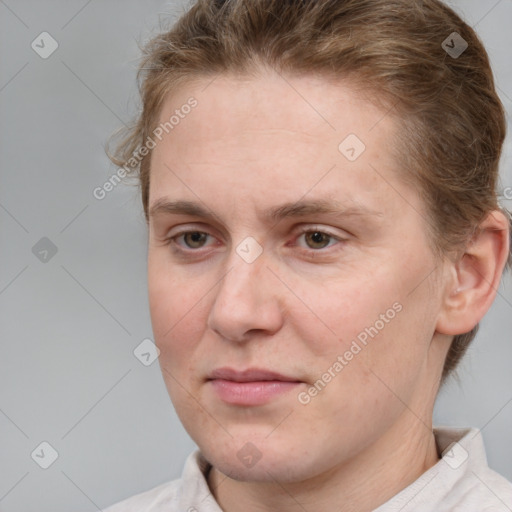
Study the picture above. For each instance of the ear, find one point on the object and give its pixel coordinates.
(475, 276)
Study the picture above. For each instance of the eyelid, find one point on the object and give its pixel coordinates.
(188, 227)
(307, 228)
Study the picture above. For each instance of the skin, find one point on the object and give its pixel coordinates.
(254, 144)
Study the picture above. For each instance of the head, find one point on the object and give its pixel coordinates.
(255, 115)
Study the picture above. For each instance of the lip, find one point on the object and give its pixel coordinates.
(249, 375)
(254, 386)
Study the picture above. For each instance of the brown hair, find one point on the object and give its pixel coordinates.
(450, 118)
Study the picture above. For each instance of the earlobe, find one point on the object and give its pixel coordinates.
(475, 276)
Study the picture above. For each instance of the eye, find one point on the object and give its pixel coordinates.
(316, 239)
(192, 239)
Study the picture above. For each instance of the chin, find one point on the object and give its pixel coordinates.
(253, 459)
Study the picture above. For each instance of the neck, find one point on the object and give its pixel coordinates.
(362, 484)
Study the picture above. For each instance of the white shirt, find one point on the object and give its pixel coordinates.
(460, 482)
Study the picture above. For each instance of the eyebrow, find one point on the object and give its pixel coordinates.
(299, 208)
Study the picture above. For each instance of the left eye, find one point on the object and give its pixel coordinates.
(317, 239)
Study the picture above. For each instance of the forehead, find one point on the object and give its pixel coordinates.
(274, 137)
(314, 106)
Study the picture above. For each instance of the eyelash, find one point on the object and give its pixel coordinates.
(171, 241)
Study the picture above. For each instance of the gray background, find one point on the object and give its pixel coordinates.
(69, 325)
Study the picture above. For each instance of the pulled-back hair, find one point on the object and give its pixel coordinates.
(451, 123)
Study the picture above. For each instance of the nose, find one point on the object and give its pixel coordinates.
(246, 301)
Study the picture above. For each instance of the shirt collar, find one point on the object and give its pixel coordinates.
(462, 451)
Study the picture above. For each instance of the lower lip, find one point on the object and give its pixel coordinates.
(250, 393)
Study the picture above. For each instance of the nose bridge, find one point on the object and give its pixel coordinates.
(243, 281)
(246, 267)
(244, 299)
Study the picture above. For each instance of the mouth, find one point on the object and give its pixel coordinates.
(253, 386)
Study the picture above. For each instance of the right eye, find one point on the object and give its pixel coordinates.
(192, 239)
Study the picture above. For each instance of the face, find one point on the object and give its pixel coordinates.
(291, 284)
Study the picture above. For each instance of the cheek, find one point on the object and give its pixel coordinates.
(357, 307)
(178, 312)
(178, 320)
(364, 327)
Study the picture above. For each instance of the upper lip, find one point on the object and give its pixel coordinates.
(249, 375)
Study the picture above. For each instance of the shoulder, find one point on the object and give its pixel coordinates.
(158, 498)
(180, 495)
(461, 481)
(475, 486)
(484, 490)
